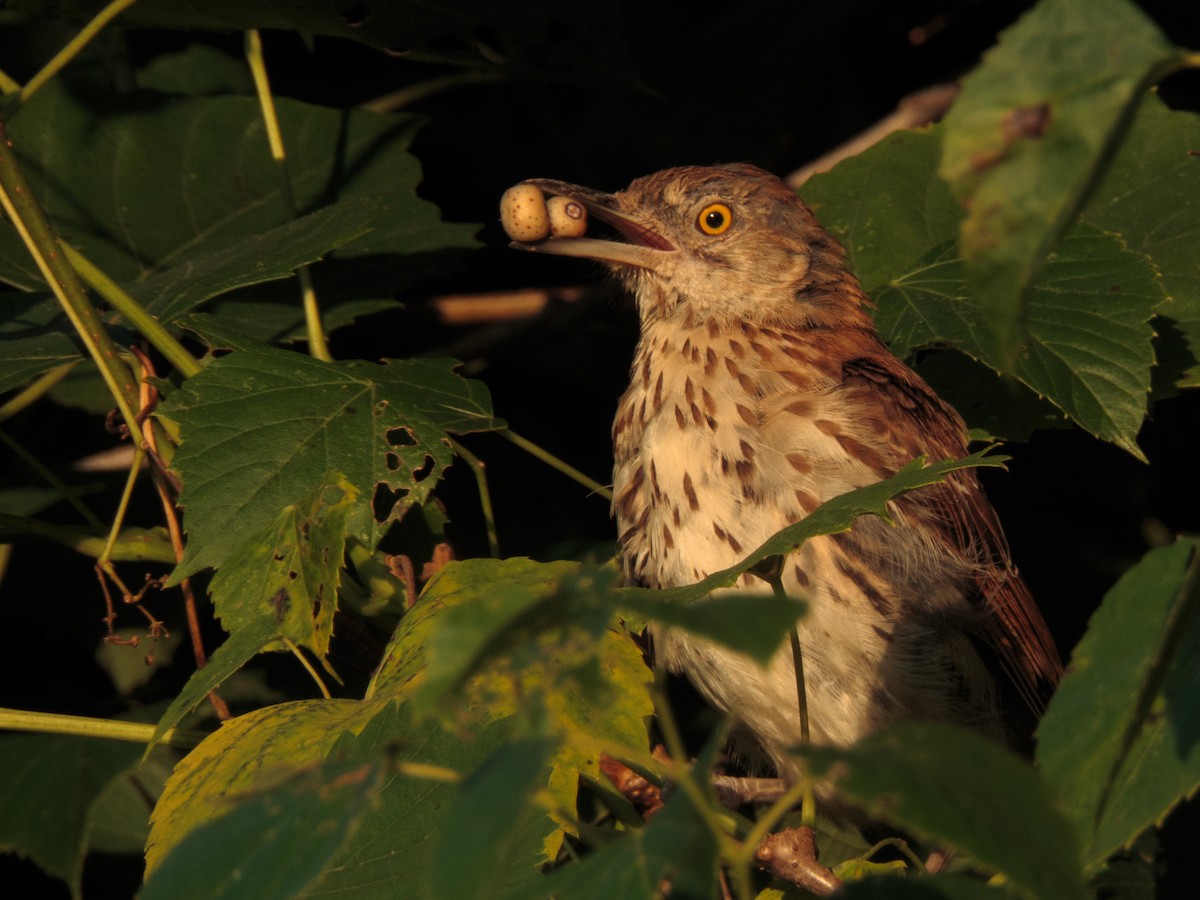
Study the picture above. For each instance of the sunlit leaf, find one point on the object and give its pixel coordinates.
(234, 760)
(966, 792)
(389, 853)
(1030, 133)
(276, 843)
(1088, 347)
(288, 576)
(261, 428)
(1120, 741)
(503, 634)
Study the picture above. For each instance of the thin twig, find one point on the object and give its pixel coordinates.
(406, 96)
(308, 667)
(86, 726)
(42, 243)
(74, 46)
(165, 489)
(35, 390)
(555, 463)
(917, 109)
(133, 312)
(53, 480)
(485, 495)
(318, 347)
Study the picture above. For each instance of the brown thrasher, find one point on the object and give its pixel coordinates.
(759, 390)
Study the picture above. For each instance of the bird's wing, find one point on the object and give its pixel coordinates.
(921, 423)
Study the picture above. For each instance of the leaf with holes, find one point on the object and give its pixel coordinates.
(288, 576)
(259, 428)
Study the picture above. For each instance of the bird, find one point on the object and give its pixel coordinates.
(759, 389)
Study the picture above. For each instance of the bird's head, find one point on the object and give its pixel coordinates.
(729, 243)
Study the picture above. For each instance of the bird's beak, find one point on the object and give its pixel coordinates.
(643, 247)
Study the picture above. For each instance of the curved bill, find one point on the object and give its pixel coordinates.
(645, 248)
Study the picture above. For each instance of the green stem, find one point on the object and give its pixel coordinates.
(42, 244)
(8, 84)
(318, 347)
(808, 806)
(555, 463)
(771, 817)
(134, 313)
(86, 726)
(685, 780)
(131, 545)
(53, 480)
(308, 667)
(902, 846)
(114, 531)
(35, 390)
(74, 46)
(485, 495)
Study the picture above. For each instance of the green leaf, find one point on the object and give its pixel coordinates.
(888, 206)
(510, 636)
(574, 43)
(1151, 197)
(483, 608)
(32, 339)
(262, 427)
(944, 887)
(419, 818)
(144, 184)
(753, 624)
(390, 852)
(270, 321)
(487, 821)
(246, 753)
(120, 820)
(831, 517)
(1030, 134)
(1120, 741)
(275, 844)
(239, 648)
(963, 791)
(1089, 346)
(675, 845)
(288, 576)
(1089, 339)
(49, 785)
(268, 256)
(196, 70)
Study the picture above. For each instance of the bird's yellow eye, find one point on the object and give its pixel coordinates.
(715, 219)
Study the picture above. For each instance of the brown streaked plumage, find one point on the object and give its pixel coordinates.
(761, 389)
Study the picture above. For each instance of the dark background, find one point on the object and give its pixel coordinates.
(770, 83)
